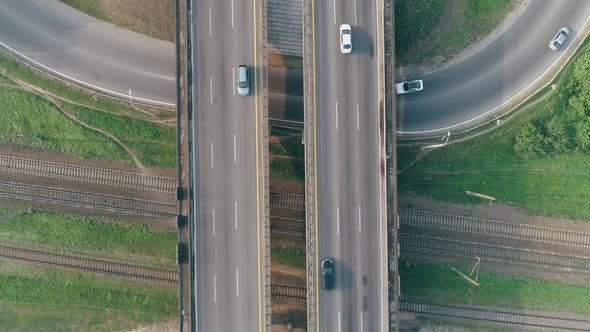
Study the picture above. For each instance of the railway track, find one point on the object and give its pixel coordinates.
(289, 292)
(287, 201)
(523, 256)
(92, 265)
(500, 316)
(288, 226)
(87, 200)
(495, 228)
(87, 174)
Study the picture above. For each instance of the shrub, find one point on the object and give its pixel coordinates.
(529, 142)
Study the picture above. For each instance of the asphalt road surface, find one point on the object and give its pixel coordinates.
(88, 50)
(461, 92)
(348, 175)
(228, 168)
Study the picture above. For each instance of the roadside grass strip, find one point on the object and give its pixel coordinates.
(539, 160)
(104, 238)
(439, 284)
(89, 7)
(39, 299)
(442, 35)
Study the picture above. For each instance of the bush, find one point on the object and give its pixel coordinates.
(558, 139)
(529, 142)
(582, 134)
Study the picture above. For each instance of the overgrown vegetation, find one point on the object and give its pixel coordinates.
(538, 161)
(428, 31)
(292, 257)
(438, 284)
(98, 237)
(287, 158)
(35, 299)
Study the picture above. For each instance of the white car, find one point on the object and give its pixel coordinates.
(345, 38)
(409, 86)
(559, 39)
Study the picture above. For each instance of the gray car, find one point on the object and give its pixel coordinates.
(559, 39)
(327, 274)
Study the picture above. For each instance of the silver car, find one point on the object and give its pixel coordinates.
(559, 39)
(409, 86)
(243, 82)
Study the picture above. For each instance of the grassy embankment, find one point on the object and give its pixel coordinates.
(40, 299)
(153, 18)
(438, 284)
(538, 161)
(34, 121)
(104, 238)
(423, 33)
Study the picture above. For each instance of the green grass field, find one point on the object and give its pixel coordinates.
(34, 122)
(553, 184)
(154, 144)
(438, 284)
(90, 7)
(39, 299)
(88, 236)
(415, 20)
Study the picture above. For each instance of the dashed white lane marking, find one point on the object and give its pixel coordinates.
(214, 289)
(237, 283)
(211, 87)
(211, 155)
(213, 219)
(236, 213)
(232, 13)
(209, 22)
(334, 11)
(359, 218)
(338, 220)
(339, 322)
(358, 118)
(336, 115)
(233, 79)
(235, 150)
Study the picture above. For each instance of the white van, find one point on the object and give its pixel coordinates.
(243, 85)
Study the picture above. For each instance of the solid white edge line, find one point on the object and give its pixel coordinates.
(126, 96)
(235, 150)
(236, 213)
(382, 155)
